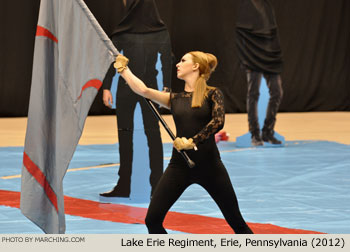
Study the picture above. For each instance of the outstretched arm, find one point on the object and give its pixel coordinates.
(137, 85)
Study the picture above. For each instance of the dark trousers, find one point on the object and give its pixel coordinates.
(142, 51)
(274, 83)
(125, 115)
(215, 180)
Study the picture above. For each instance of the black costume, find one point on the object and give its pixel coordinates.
(201, 124)
(260, 54)
(140, 35)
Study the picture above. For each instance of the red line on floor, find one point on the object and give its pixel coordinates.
(188, 223)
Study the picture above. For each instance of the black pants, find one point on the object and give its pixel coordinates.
(125, 116)
(142, 51)
(176, 179)
(274, 83)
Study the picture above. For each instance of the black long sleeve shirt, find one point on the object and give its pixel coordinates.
(200, 124)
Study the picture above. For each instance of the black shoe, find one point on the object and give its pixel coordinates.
(116, 192)
(256, 140)
(270, 139)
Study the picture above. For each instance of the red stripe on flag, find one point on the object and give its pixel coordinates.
(41, 31)
(34, 170)
(95, 83)
(189, 223)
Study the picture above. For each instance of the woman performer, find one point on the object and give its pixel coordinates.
(198, 114)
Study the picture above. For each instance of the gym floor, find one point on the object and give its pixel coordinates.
(302, 187)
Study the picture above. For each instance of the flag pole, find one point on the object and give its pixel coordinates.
(189, 162)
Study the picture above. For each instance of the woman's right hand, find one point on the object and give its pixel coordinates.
(137, 85)
(107, 98)
(121, 63)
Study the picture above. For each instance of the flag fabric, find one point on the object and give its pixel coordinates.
(71, 57)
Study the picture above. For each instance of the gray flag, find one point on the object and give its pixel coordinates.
(71, 57)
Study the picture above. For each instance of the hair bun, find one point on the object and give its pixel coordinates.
(207, 63)
(212, 61)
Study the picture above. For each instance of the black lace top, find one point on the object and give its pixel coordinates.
(201, 124)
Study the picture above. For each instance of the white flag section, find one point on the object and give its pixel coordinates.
(71, 57)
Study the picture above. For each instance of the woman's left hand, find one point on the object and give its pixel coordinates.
(183, 144)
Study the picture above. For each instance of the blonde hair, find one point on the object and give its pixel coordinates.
(207, 63)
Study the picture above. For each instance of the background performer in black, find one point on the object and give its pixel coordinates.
(198, 113)
(260, 55)
(141, 35)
